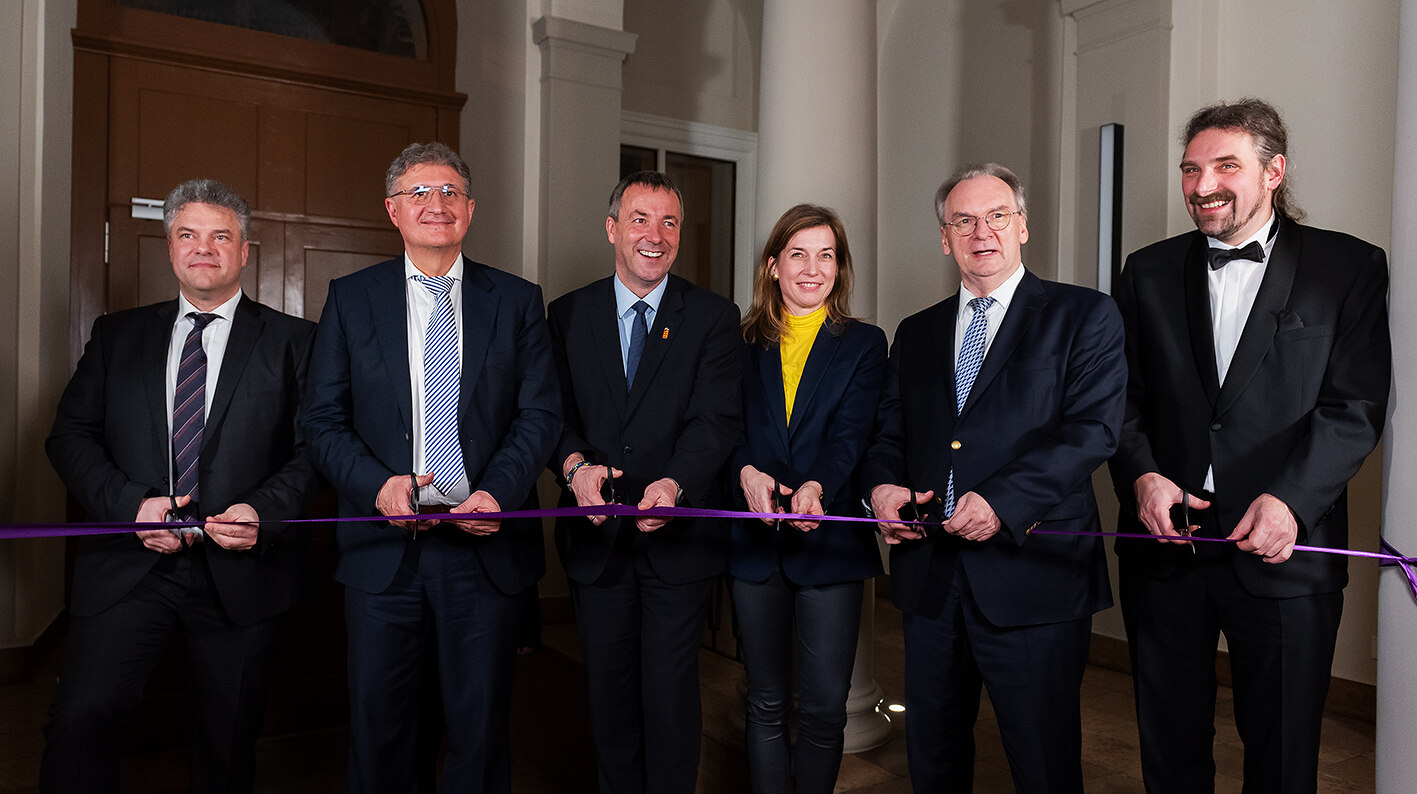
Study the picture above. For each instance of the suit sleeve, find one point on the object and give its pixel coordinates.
(851, 420)
(713, 419)
(531, 435)
(1134, 454)
(1347, 419)
(572, 438)
(328, 418)
(77, 444)
(885, 457)
(1057, 461)
(287, 490)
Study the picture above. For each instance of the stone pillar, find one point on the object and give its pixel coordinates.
(580, 147)
(1397, 609)
(817, 144)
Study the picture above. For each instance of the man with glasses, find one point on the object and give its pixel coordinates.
(986, 444)
(1260, 365)
(432, 390)
(182, 411)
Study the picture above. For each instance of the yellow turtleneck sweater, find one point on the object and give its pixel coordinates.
(797, 341)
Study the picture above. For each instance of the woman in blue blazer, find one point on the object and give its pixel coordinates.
(811, 377)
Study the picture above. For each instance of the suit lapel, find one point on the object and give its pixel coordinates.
(941, 380)
(605, 331)
(388, 310)
(1029, 299)
(479, 312)
(661, 339)
(156, 340)
(770, 376)
(824, 349)
(1198, 319)
(246, 326)
(1260, 326)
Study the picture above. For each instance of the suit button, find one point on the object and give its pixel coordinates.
(955, 445)
(629, 450)
(1214, 427)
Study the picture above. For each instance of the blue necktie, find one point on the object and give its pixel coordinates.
(971, 355)
(639, 331)
(441, 451)
(189, 411)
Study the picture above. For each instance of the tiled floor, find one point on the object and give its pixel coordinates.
(314, 761)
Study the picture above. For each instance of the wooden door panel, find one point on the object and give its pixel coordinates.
(332, 143)
(316, 253)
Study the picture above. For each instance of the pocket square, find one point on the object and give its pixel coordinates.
(1289, 321)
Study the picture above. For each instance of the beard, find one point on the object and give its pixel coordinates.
(1229, 222)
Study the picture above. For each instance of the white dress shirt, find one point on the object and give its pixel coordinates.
(214, 338)
(1232, 294)
(994, 315)
(419, 303)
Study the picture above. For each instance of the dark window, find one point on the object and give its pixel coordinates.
(392, 27)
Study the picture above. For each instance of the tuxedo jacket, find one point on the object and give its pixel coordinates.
(359, 414)
(680, 420)
(1302, 405)
(1044, 412)
(832, 415)
(111, 447)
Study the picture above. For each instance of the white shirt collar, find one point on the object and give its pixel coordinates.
(1002, 296)
(409, 271)
(226, 311)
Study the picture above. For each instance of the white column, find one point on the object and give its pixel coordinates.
(817, 144)
(1397, 609)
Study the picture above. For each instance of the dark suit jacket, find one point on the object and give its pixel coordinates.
(680, 420)
(832, 416)
(1302, 405)
(359, 414)
(1044, 412)
(110, 446)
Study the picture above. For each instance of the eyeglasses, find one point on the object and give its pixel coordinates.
(997, 220)
(422, 194)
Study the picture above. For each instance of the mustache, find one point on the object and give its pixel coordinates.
(1220, 195)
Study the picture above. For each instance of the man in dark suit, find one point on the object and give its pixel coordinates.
(649, 375)
(1260, 364)
(1007, 426)
(185, 410)
(432, 389)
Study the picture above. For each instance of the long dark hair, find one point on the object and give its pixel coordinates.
(764, 323)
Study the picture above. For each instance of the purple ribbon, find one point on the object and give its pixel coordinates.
(1389, 556)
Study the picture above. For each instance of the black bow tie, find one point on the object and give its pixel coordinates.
(1220, 257)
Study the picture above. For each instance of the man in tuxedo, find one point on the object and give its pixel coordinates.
(1006, 430)
(432, 390)
(649, 375)
(183, 410)
(1260, 363)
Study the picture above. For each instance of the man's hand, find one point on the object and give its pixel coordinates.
(808, 502)
(1155, 496)
(757, 487)
(236, 529)
(660, 493)
(395, 499)
(973, 518)
(153, 510)
(1268, 529)
(886, 502)
(479, 502)
(587, 482)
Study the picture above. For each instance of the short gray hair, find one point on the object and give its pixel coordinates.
(426, 154)
(206, 191)
(653, 180)
(977, 170)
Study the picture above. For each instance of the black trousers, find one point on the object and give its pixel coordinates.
(1281, 658)
(108, 658)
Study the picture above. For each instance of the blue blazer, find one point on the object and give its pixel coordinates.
(832, 416)
(1044, 413)
(359, 414)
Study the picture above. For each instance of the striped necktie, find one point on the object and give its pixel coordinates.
(971, 356)
(189, 410)
(441, 372)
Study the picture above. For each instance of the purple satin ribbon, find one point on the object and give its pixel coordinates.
(1389, 556)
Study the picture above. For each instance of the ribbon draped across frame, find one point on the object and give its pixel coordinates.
(1389, 556)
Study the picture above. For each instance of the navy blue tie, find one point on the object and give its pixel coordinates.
(639, 331)
(189, 412)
